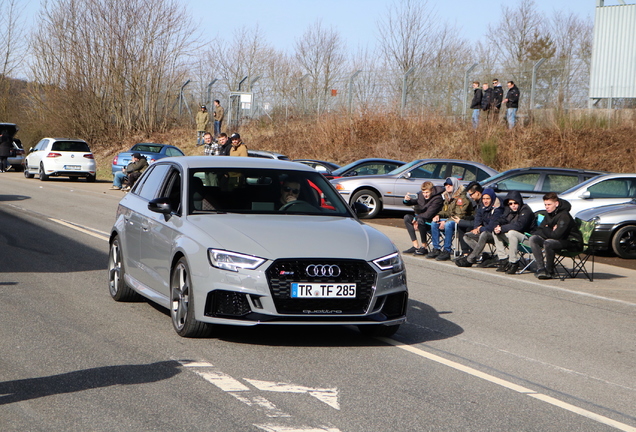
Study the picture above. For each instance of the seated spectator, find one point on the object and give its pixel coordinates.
(456, 206)
(238, 147)
(487, 216)
(130, 173)
(427, 204)
(518, 218)
(557, 230)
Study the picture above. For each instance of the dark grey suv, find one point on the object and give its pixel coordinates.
(534, 182)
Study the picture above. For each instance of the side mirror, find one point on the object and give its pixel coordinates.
(359, 208)
(586, 195)
(407, 175)
(160, 205)
(30, 149)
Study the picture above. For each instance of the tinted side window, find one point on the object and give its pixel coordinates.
(464, 172)
(153, 181)
(482, 175)
(173, 152)
(559, 182)
(519, 182)
(430, 170)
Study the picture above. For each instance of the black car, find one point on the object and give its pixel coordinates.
(535, 182)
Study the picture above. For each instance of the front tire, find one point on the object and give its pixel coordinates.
(182, 303)
(369, 199)
(43, 177)
(119, 291)
(27, 173)
(624, 242)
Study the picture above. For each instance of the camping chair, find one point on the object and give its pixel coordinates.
(580, 256)
(526, 258)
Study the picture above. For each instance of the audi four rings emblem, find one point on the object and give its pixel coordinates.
(322, 270)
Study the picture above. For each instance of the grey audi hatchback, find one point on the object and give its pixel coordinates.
(246, 241)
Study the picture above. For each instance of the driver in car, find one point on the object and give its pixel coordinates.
(289, 191)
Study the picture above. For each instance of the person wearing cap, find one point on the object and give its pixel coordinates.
(489, 212)
(238, 147)
(456, 206)
(131, 172)
(202, 120)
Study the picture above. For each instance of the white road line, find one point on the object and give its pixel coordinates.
(278, 428)
(91, 232)
(507, 384)
(326, 395)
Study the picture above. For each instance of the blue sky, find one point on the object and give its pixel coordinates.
(284, 21)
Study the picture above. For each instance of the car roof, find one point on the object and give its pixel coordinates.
(65, 139)
(265, 152)
(234, 162)
(569, 170)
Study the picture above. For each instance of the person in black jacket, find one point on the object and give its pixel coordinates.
(427, 204)
(475, 104)
(518, 218)
(512, 104)
(556, 230)
(486, 98)
(497, 96)
(225, 145)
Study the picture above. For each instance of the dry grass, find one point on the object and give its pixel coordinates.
(580, 143)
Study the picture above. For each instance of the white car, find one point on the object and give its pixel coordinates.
(60, 157)
(602, 190)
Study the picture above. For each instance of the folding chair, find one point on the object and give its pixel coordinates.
(579, 257)
(526, 258)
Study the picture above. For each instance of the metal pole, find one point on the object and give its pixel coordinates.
(182, 98)
(241, 83)
(351, 90)
(210, 91)
(534, 81)
(404, 92)
(469, 70)
(301, 95)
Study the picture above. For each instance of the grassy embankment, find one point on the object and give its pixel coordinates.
(587, 143)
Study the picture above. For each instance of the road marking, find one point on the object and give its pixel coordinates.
(507, 384)
(91, 232)
(276, 428)
(326, 395)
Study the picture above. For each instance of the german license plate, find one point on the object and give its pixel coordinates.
(322, 290)
(72, 167)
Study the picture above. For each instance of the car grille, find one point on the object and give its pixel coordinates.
(222, 303)
(283, 272)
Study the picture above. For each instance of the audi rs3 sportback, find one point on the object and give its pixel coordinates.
(246, 241)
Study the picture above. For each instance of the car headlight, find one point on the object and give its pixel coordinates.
(390, 262)
(233, 261)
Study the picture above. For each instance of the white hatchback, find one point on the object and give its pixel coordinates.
(60, 157)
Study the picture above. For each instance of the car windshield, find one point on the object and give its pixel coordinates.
(70, 146)
(263, 191)
(345, 168)
(580, 186)
(494, 178)
(146, 148)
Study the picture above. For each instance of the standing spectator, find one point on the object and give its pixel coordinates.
(225, 145)
(486, 98)
(497, 95)
(487, 218)
(6, 145)
(219, 113)
(475, 104)
(202, 120)
(518, 218)
(238, 147)
(427, 204)
(456, 206)
(512, 104)
(555, 231)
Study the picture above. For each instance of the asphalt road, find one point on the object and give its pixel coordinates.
(481, 351)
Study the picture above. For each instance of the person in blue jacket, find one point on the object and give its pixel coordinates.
(518, 219)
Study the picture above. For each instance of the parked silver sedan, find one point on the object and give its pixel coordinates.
(615, 228)
(387, 191)
(246, 241)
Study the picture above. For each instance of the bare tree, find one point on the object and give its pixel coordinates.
(320, 53)
(11, 49)
(120, 76)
